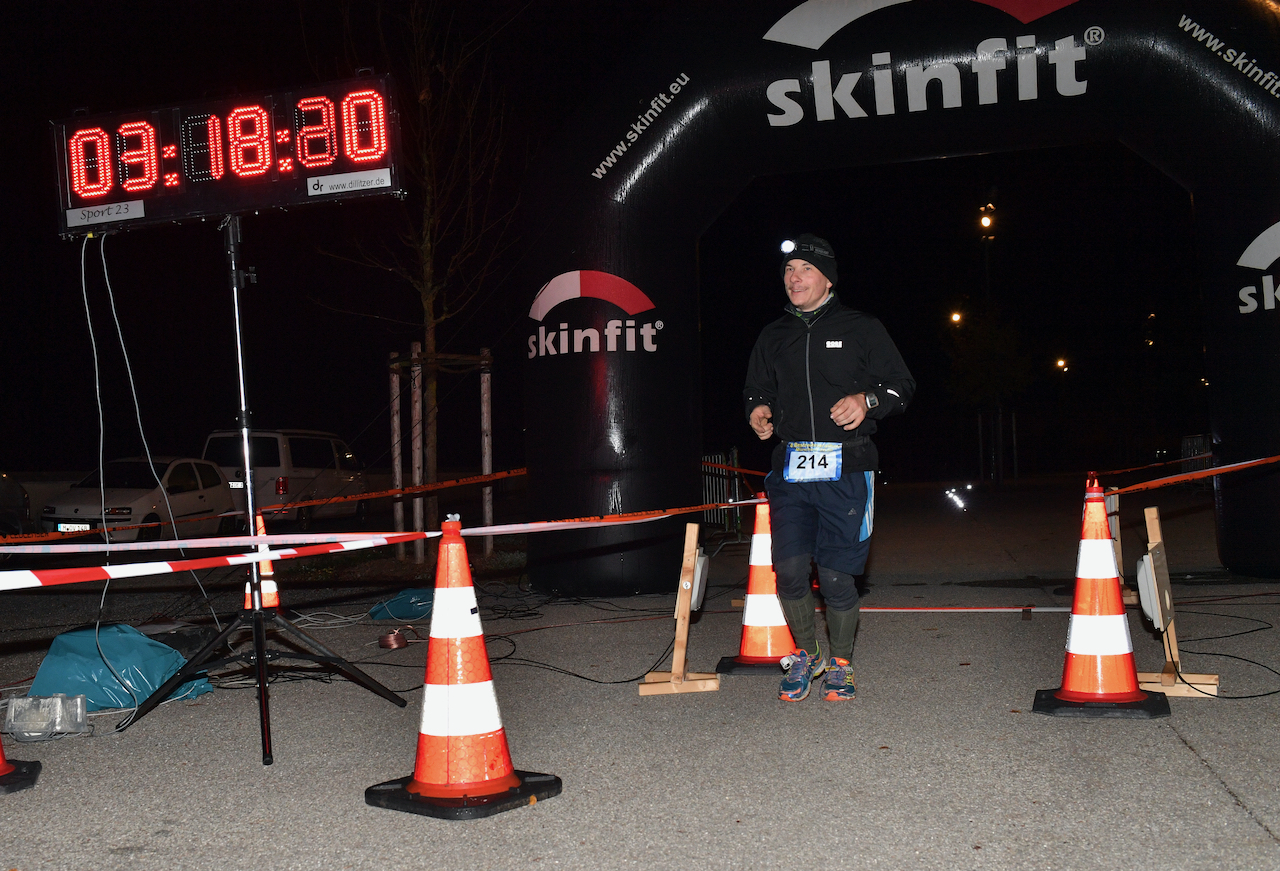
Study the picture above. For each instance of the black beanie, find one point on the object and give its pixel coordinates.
(813, 249)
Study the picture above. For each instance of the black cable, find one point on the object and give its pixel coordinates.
(1265, 626)
(511, 659)
(1228, 656)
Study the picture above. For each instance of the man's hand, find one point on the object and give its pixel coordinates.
(850, 411)
(761, 421)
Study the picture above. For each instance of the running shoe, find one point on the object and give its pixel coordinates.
(838, 687)
(802, 667)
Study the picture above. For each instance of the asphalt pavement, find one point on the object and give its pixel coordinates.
(939, 763)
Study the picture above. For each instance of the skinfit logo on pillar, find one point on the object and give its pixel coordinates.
(1261, 254)
(811, 24)
(616, 335)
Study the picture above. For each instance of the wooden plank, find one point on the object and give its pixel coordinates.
(684, 598)
(1201, 685)
(678, 680)
(1154, 535)
(687, 686)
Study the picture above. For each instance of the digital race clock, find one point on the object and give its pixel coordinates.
(130, 169)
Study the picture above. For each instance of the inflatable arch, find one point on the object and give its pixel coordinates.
(722, 95)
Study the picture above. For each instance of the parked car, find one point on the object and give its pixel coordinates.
(15, 507)
(193, 492)
(291, 465)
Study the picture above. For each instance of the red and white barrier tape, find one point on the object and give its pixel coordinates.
(331, 543)
(25, 578)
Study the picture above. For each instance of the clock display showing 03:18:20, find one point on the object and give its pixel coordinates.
(334, 141)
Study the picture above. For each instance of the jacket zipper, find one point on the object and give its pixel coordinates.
(808, 383)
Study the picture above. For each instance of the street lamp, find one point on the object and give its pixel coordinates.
(987, 221)
(987, 226)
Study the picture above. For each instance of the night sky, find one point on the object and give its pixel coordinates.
(1092, 262)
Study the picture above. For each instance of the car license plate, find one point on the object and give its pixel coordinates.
(74, 527)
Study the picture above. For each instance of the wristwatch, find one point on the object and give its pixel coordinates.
(872, 399)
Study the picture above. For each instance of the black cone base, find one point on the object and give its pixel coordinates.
(393, 795)
(1153, 706)
(23, 776)
(730, 665)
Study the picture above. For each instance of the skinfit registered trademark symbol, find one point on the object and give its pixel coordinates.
(1094, 36)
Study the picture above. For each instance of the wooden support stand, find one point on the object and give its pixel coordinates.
(678, 680)
(1171, 680)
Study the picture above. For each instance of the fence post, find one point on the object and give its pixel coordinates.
(486, 443)
(397, 460)
(415, 387)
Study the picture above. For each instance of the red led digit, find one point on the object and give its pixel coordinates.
(317, 143)
(84, 165)
(202, 155)
(249, 141)
(217, 164)
(364, 126)
(140, 166)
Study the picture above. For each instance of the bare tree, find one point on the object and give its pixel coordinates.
(457, 215)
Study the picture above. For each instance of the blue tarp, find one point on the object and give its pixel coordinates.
(74, 666)
(412, 604)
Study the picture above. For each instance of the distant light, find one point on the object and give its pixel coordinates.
(954, 497)
(788, 246)
(986, 221)
(1062, 364)
(1151, 341)
(955, 317)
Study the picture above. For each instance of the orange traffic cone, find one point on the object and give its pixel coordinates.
(1099, 678)
(463, 768)
(765, 636)
(15, 776)
(266, 577)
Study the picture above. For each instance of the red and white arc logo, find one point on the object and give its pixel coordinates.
(813, 22)
(617, 335)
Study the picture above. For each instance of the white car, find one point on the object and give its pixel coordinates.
(292, 465)
(194, 493)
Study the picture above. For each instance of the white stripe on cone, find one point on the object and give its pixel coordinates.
(454, 613)
(763, 610)
(1097, 559)
(454, 710)
(1099, 635)
(761, 550)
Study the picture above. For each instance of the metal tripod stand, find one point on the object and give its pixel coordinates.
(255, 615)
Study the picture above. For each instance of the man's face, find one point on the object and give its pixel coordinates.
(806, 286)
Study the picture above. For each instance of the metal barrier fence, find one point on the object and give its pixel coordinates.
(1196, 446)
(721, 485)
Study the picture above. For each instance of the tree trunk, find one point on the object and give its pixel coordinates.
(430, 435)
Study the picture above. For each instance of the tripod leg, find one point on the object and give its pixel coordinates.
(189, 671)
(345, 668)
(260, 660)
